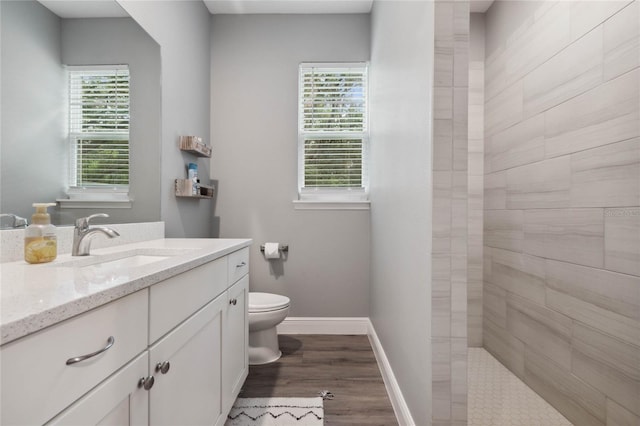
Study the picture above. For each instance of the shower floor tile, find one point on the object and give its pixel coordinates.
(498, 398)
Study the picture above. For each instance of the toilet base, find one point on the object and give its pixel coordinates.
(263, 346)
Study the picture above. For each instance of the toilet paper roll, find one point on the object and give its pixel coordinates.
(272, 250)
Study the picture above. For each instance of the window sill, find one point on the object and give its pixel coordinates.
(331, 205)
(101, 199)
(66, 203)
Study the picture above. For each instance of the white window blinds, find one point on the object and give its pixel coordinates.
(333, 131)
(99, 126)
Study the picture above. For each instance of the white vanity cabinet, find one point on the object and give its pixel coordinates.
(177, 355)
(187, 366)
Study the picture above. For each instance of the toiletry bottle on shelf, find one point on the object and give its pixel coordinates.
(193, 176)
(40, 240)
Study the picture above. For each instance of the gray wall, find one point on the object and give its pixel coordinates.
(562, 203)
(33, 145)
(122, 41)
(181, 28)
(254, 89)
(401, 94)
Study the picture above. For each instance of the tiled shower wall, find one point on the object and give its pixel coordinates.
(449, 255)
(561, 291)
(475, 180)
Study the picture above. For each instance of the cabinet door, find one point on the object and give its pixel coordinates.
(119, 400)
(235, 361)
(189, 391)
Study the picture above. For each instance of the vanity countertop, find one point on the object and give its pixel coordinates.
(33, 297)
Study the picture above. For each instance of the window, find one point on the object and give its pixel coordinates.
(332, 132)
(99, 129)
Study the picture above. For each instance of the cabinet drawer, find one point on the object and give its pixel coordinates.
(36, 381)
(174, 300)
(238, 264)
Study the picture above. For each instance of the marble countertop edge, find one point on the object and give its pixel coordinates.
(30, 318)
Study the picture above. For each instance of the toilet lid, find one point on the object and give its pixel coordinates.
(264, 302)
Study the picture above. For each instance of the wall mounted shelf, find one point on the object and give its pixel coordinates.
(184, 189)
(195, 146)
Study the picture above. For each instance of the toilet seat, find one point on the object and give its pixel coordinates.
(266, 302)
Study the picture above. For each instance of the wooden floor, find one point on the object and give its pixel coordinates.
(343, 365)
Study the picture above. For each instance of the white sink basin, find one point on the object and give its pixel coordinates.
(125, 259)
(128, 262)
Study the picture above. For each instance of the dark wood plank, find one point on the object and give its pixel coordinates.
(343, 365)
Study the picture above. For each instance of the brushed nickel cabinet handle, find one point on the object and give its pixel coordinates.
(81, 358)
(146, 382)
(241, 264)
(163, 367)
(233, 302)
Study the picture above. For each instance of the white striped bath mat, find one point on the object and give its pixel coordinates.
(276, 412)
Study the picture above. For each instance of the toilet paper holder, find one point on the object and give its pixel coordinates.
(283, 248)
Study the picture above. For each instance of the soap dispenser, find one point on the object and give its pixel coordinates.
(40, 240)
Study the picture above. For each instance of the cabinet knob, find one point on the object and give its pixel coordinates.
(146, 382)
(233, 302)
(163, 367)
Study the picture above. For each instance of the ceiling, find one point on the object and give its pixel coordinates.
(480, 6)
(85, 8)
(288, 6)
(111, 8)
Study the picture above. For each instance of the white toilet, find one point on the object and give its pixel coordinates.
(266, 311)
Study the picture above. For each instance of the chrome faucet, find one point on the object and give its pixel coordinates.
(82, 234)
(18, 222)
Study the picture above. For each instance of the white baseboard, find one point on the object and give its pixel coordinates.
(322, 325)
(403, 415)
(354, 325)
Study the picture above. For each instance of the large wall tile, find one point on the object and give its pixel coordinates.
(494, 302)
(624, 328)
(519, 274)
(504, 229)
(443, 103)
(571, 72)
(495, 191)
(520, 144)
(504, 346)
(531, 45)
(504, 110)
(607, 350)
(459, 379)
(617, 415)
(460, 128)
(441, 378)
(607, 176)
(572, 235)
(545, 184)
(608, 113)
(441, 240)
(616, 385)
(622, 41)
(581, 403)
(542, 328)
(442, 144)
(621, 294)
(587, 14)
(622, 240)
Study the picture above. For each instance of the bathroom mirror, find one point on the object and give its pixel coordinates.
(36, 45)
